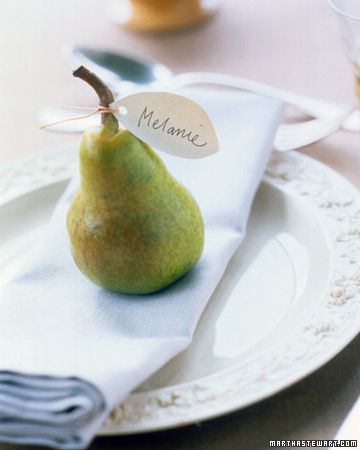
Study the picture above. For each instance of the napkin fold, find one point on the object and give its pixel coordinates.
(69, 350)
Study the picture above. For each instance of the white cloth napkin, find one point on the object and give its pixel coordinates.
(70, 351)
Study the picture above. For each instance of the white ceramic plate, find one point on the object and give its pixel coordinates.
(289, 301)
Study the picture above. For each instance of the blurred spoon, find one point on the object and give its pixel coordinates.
(120, 71)
(125, 73)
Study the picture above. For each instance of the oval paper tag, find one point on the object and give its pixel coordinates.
(169, 122)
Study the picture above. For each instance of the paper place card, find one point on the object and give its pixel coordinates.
(169, 122)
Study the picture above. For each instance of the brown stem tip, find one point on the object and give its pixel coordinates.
(104, 93)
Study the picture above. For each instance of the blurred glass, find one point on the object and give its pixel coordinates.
(162, 15)
(348, 12)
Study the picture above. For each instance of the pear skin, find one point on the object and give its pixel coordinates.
(133, 228)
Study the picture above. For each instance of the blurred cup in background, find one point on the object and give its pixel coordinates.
(162, 15)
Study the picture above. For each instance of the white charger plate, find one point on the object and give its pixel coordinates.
(288, 302)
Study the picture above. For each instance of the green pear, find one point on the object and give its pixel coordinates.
(133, 228)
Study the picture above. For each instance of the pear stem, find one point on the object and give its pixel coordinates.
(104, 93)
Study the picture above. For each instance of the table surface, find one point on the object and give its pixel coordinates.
(294, 45)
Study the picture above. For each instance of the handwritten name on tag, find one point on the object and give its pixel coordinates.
(171, 123)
